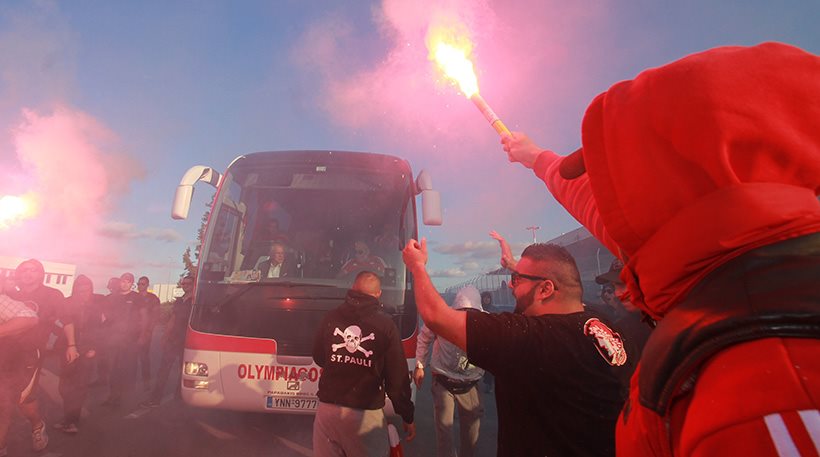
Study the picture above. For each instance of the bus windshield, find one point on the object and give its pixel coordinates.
(287, 236)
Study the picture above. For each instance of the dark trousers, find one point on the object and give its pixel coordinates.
(171, 359)
(73, 388)
(123, 369)
(144, 361)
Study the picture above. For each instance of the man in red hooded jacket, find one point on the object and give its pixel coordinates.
(702, 176)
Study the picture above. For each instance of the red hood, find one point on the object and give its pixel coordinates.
(694, 163)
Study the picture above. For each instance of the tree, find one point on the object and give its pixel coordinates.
(189, 265)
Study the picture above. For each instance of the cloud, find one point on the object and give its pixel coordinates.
(126, 231)
(448, 273)
(471, 249)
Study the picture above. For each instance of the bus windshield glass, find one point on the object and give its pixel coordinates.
(288, 237)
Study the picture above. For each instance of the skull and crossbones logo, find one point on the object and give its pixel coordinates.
(352, 337)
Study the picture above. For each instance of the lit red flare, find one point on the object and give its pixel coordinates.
(453, 60)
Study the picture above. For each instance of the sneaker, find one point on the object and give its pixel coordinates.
(71, 429)
(39, 438)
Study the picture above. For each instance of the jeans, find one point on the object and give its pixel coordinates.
(470, 411)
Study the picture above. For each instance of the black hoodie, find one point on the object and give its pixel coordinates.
(359, 348)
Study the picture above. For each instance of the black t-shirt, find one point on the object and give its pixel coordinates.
(150, 303)
(48, 302)
(182, 313)
(556, 394)
(123, 320)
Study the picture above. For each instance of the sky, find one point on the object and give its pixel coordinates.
(104, 106)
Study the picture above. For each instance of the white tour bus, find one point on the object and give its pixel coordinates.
(250, 337)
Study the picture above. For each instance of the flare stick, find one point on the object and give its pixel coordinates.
(490, 115)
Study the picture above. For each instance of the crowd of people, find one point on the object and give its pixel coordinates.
(103, 341)
(701, 176)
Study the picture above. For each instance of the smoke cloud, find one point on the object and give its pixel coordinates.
(407, 107)
(76, 170)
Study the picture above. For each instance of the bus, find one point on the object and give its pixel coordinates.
(250, 336)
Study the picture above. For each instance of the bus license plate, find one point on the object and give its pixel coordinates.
(307, 404)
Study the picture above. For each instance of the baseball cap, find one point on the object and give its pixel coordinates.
(613, 275)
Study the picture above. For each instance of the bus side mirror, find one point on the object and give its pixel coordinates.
(430, 199)
(431, 207)
(185, 189)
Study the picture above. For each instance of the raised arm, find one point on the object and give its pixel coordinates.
(442, 320)
(575, 195)
(507, 259)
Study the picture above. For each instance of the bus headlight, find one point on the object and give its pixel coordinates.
(195, 369)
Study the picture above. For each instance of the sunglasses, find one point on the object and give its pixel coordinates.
(516, 277)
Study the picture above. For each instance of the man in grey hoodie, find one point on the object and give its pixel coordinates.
(455, 382)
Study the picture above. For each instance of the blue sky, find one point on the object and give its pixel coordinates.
(103, 105)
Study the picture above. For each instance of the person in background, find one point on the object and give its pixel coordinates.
(48, 302)
(454, 385)
(359, 349)
(630, 322)
(84, 307)
(123, 328)
(17, 360)
(149, 311)
(552, 359)
(103, 359)
(362, 260)
(173, 342)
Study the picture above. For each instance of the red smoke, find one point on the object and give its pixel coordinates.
(76, 169)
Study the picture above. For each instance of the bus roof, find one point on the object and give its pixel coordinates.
(319, 157)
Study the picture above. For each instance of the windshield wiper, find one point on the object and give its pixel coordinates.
(229, 298)
(248, 286)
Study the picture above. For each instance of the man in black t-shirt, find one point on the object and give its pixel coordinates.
(173, 342)
(556, 392)
(148, 310)
(123, 328)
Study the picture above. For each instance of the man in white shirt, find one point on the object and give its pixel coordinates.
(275, 265)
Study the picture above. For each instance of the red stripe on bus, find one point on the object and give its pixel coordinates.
(224, 343)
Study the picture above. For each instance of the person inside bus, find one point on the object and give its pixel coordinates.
(269, 230)
(276, 264)
(387, 242)
(362, 260)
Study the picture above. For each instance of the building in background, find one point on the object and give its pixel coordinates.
(58, 275)
(591, 256)
(166, 292)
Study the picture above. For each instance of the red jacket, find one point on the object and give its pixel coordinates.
(696, 162)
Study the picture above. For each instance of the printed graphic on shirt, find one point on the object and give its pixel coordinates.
(608, 343)
(351, 340)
